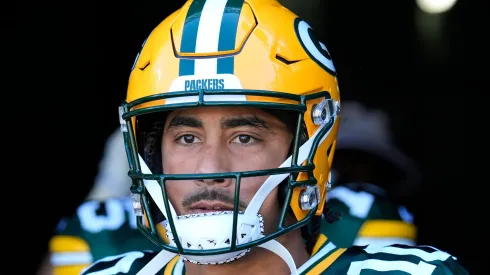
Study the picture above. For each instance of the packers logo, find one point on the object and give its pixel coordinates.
(205, 84)
(313, 47)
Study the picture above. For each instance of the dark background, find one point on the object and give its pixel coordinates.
(388, 54)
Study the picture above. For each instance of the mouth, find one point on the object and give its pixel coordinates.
(209, 206)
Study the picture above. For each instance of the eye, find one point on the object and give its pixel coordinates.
(245, 139)
(188, 139)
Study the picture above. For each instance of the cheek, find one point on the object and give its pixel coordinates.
(250, 186)
(268, 158)
(270, 210)
(173, 163)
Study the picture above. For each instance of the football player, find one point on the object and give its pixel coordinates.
(368, 174)
(230, 125)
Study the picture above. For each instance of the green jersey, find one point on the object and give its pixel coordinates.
(368, 217)
(98, 229)
(326, 259)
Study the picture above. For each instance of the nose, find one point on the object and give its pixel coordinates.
(213, 159)
(211, 181)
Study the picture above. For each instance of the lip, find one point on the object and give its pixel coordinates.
(209, 206)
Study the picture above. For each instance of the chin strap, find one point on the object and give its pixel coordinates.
(281, 251)
(164, 256)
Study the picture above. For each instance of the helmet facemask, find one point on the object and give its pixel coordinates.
(224, 236)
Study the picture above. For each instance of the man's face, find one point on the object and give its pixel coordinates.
(222, 139)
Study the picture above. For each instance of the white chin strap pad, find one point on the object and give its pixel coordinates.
(214, 231)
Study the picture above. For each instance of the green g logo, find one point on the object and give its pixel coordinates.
(313, 47)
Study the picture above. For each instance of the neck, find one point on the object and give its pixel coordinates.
(258, 261)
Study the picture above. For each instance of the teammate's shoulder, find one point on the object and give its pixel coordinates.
(128, 263)
(399, 258)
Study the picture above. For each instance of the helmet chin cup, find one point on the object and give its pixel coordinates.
(215, 231)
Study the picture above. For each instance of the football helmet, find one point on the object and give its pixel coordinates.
(231, 53)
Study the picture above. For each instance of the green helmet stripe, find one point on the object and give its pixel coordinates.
(216, 32)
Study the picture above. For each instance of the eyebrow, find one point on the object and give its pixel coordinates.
(247, 120)
(185, 121)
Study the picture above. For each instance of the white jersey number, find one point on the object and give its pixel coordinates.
(115, 216)
(422, 268)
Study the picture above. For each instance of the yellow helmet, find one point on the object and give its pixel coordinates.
(253, 53)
